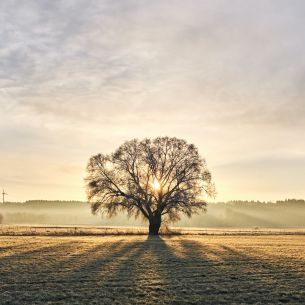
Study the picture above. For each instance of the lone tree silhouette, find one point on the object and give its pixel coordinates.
(158, 179)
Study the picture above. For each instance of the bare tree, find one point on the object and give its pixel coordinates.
(157, 179)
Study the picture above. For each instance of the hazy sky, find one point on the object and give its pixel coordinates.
(80, 77)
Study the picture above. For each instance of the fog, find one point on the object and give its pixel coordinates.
(238, 214)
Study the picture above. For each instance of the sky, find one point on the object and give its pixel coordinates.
(79, 78)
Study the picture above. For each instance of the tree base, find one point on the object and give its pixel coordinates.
(154, 230)
(153, 233)
(154, 224)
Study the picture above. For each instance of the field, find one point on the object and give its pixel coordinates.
(185, 269)
(30, 230)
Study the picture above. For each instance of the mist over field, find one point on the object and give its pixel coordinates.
(238, 214)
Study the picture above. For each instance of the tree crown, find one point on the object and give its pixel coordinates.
(163, 176)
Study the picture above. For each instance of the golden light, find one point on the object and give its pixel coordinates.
(156, 185)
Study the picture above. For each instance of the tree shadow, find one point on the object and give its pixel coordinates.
(152, 270)
(115, 274)
(26, 270)
(226, 274)
(277, 280)
(195, 273)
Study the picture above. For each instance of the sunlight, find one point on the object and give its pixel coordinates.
(156, 185)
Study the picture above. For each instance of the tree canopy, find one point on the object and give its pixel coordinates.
(158, 179)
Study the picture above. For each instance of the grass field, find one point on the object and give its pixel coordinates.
(30, 230)
(141, 270)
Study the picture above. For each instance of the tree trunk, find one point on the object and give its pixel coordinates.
(154, 224)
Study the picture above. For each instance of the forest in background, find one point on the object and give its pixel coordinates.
(233, 214)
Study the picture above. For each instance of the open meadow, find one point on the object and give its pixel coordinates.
(185, 269)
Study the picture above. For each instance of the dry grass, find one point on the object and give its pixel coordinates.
(29, 230)
(140, 270)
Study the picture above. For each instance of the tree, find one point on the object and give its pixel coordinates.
(158, 179)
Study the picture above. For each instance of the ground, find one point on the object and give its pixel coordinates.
(142, 270)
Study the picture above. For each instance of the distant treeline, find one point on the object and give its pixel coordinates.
(252, 203)
(248, 203)
(53, 201)
(44, 203)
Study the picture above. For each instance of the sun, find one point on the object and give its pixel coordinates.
(156, 185)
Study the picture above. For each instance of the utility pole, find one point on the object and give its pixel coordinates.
(3, 195)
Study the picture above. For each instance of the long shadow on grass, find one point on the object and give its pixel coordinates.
(127, 273)
(71, 273)
(156, 271)
(24, 272)
(276, 280)
(103, 273)
(190, 272)
(37, 251)
(228, 275)
(179, 271)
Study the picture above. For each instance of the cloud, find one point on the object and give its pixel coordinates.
(137, 57)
